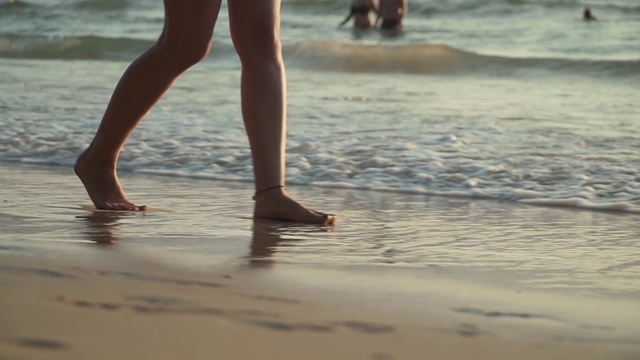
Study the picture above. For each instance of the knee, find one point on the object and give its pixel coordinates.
(258, 46)
(184, 55)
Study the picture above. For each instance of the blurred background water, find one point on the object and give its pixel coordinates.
(501, 99)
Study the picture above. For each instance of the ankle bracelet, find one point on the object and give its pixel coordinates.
(267, 189)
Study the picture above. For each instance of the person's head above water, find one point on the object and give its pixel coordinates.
(588, 16)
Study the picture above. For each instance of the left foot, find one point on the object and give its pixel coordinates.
(102, 185)
(276, 204)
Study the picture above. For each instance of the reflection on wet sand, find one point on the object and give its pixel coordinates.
(268, 235)
(102, 226)
(105, 228)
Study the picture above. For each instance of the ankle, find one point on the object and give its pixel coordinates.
(268, 189)
(87, 158)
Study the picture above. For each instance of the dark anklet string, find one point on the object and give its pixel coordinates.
(267, 189)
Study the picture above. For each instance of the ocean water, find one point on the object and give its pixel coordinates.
(500, 99)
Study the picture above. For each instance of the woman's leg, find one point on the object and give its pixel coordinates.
(255, 30)
(185, 40)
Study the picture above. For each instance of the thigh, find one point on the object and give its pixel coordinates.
(190, 19)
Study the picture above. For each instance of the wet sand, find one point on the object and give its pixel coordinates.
(83, 284)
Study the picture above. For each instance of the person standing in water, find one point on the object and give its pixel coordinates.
(360, 13)
(185, 40)
(391, 12)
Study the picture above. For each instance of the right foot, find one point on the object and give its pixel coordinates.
(276, 204)
(102, 185)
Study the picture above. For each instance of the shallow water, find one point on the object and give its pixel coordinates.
(468, 257)
(458, 137)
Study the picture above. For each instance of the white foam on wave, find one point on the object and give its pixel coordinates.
(449, 138)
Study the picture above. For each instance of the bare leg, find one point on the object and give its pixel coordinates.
(185, 40)
(255, 30)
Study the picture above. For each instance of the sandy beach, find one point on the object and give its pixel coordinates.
(82, 284)
(53, 311)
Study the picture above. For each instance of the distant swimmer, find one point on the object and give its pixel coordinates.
(588, 16)
(391, 13)
(360, 12)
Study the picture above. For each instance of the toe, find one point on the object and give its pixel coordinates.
(329, 219)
